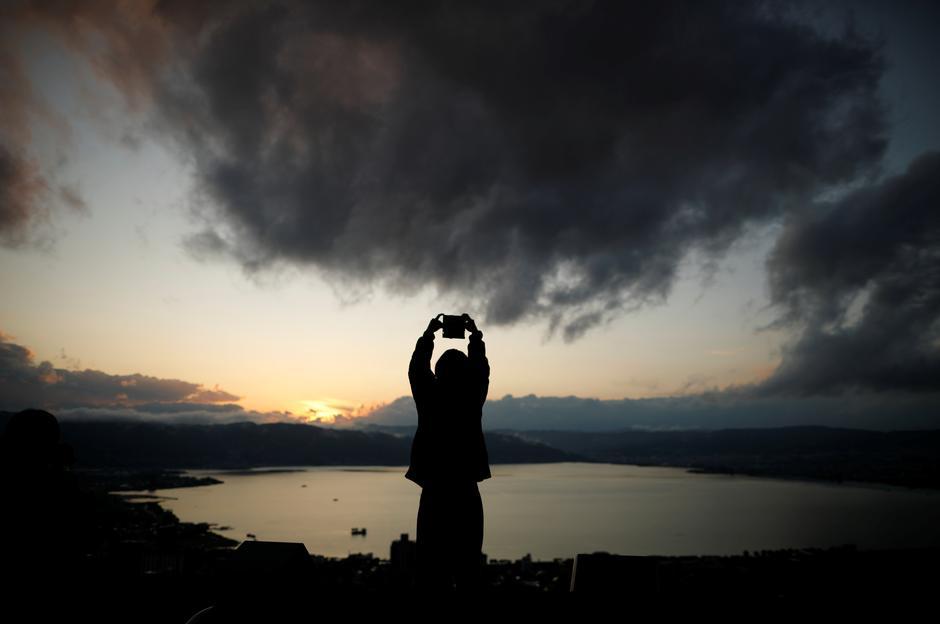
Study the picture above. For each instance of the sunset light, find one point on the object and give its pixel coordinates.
(628, 299)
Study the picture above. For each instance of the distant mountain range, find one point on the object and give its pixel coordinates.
(908, 458)
(126, 444)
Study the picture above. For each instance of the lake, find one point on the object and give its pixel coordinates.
(559, 510)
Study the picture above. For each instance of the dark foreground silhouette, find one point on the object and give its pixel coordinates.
(39, 497)
(74, 552)
(449, 457)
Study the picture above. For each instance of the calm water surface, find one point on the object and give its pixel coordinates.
(559, 510)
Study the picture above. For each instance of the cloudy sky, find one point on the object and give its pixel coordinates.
(688, 214)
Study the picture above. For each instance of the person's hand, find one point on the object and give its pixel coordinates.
(434, 325)
(469, 323)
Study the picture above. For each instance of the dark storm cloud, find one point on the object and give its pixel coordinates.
(20, 184)
(861, 278)
(529, 160)
(124, 42)
(19, 187)
(533, 160)
(538, 161)
(26, 204)
(24, 384)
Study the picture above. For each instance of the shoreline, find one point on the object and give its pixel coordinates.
(669, 472)
(205, 473)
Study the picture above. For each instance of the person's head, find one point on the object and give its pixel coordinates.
(31, 438)
(451, 366)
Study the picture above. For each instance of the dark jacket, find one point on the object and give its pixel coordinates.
(448, 446)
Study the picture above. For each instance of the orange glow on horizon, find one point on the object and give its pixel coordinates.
(332, 410)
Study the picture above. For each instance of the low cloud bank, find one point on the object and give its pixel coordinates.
(95, 395)
(717, 410)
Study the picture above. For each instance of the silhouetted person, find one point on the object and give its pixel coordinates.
(449, 458)
(38, 519)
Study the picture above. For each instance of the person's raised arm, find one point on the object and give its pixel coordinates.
(476, 353)
(419, 369)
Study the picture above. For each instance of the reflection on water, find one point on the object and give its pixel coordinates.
(559, 510)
